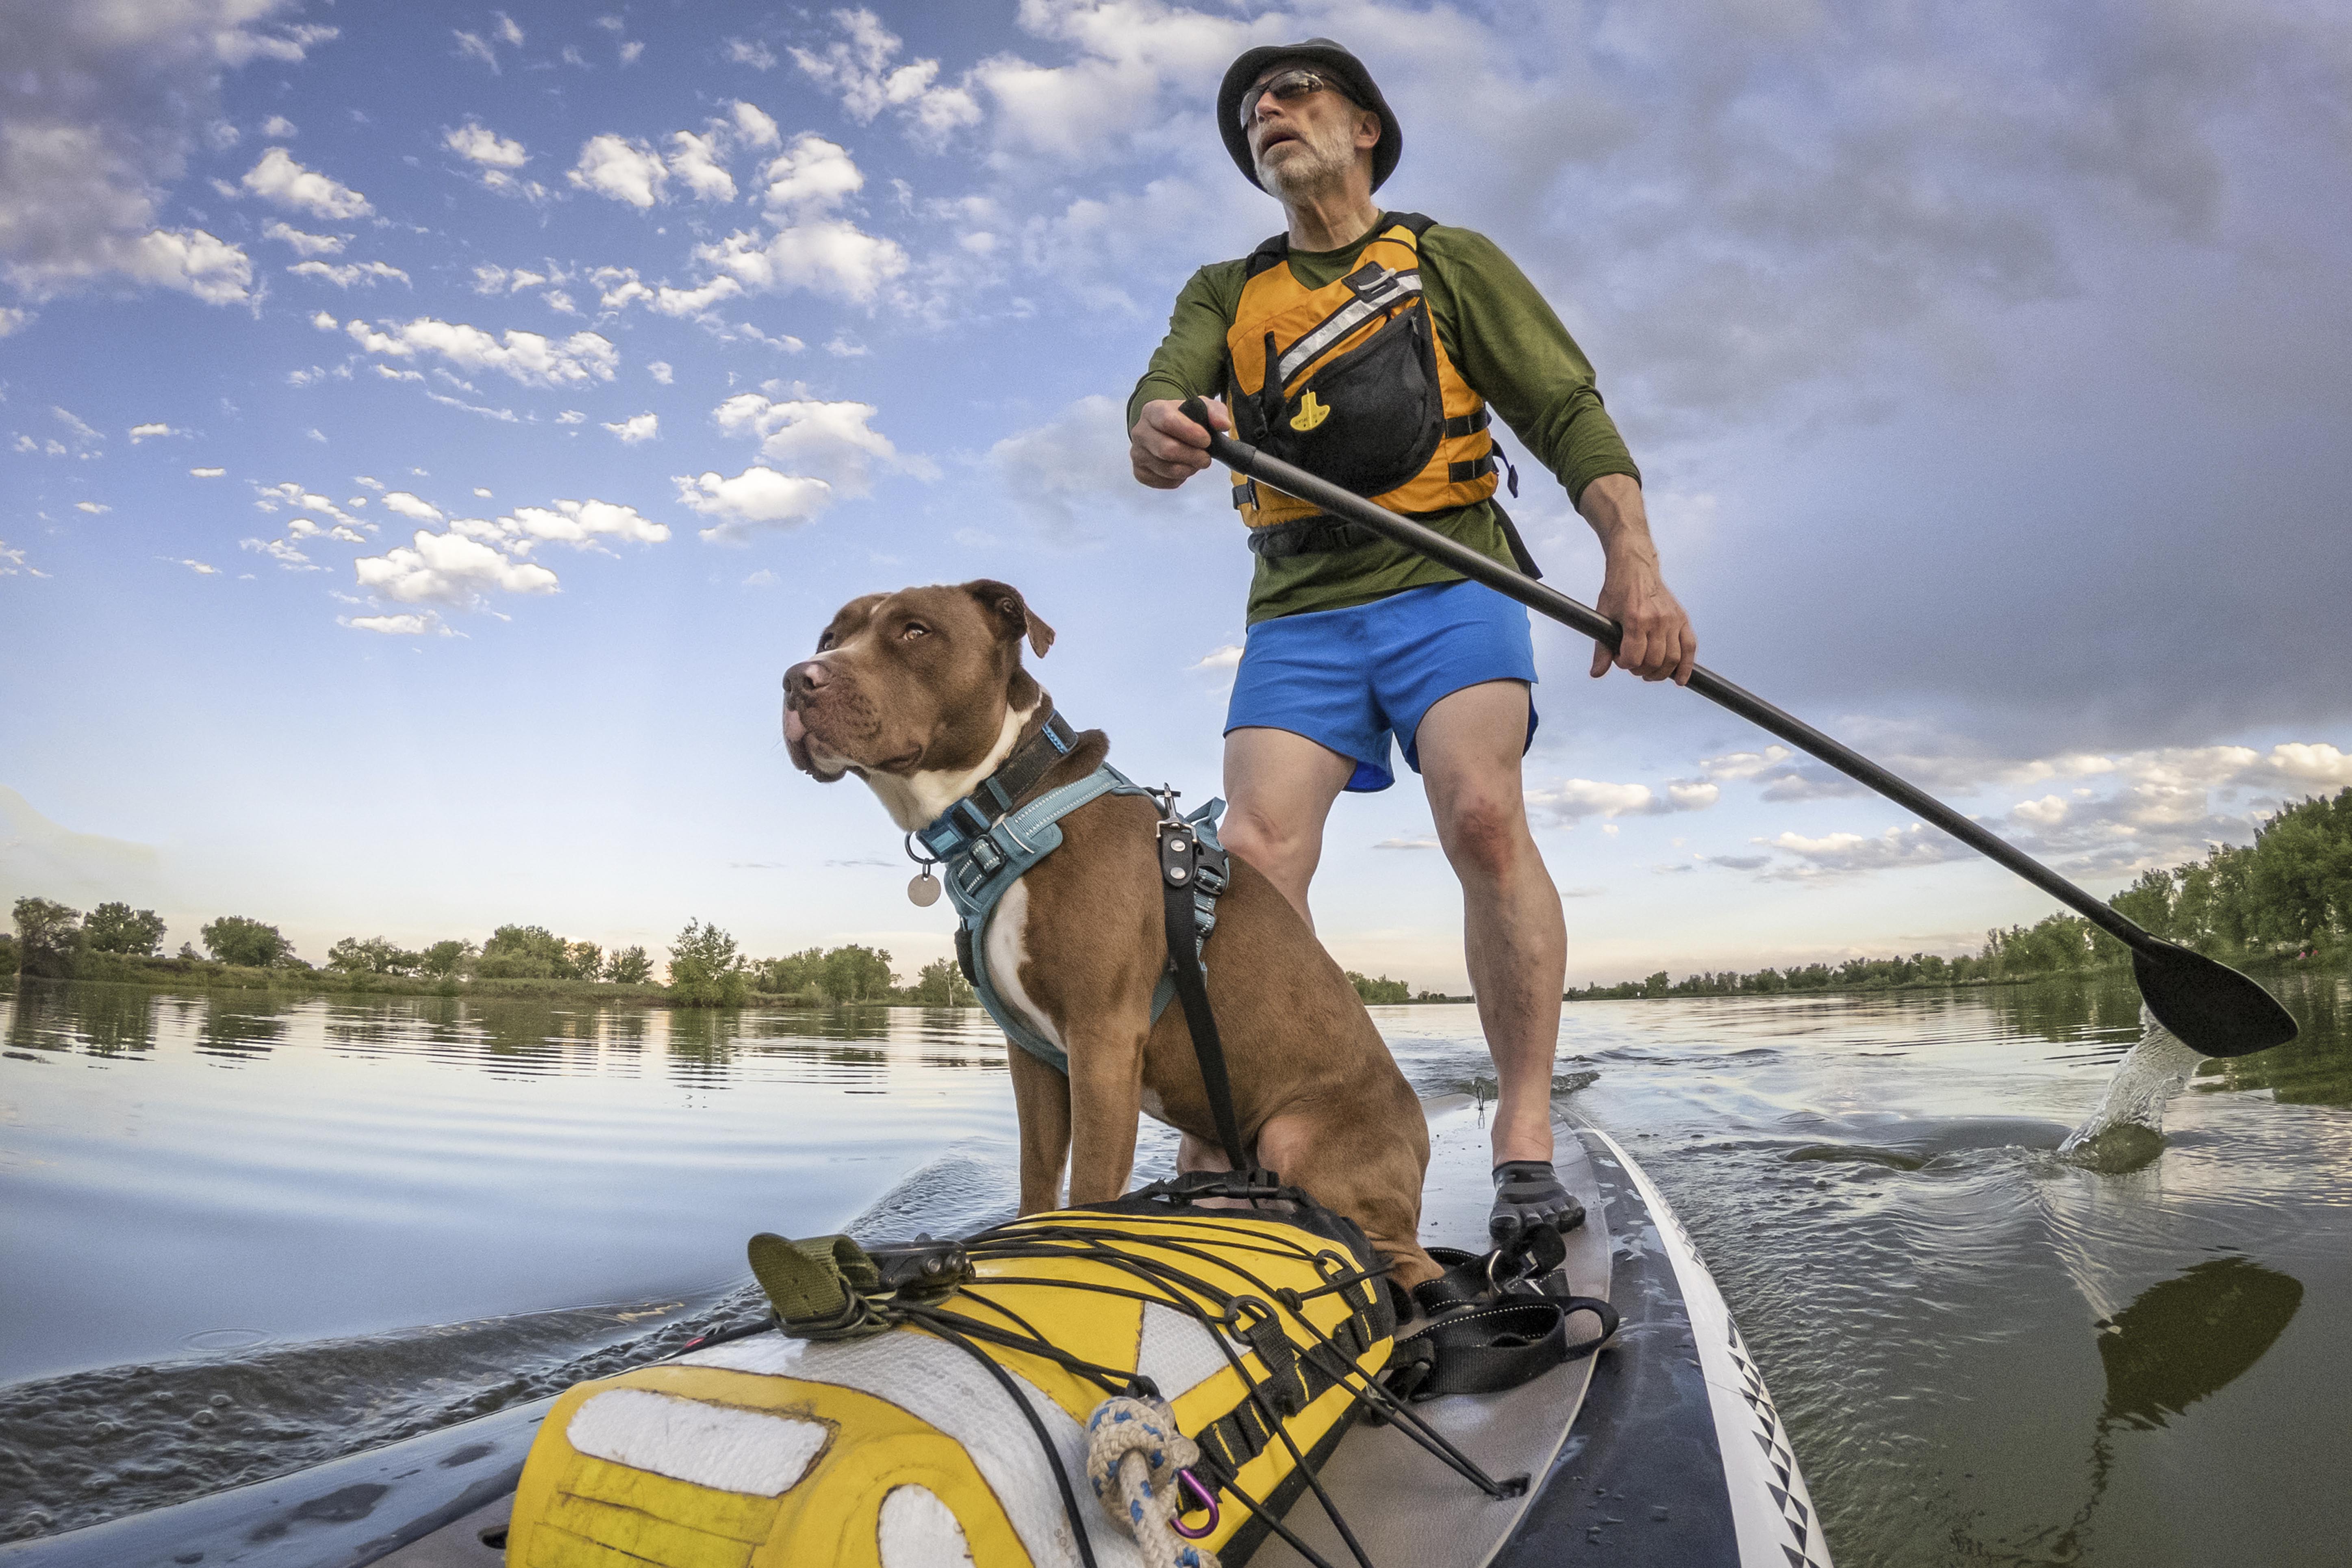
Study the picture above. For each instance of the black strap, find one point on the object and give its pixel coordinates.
(1029, 762)
(1182, 859)
(1519, 556)
(1505, 1342)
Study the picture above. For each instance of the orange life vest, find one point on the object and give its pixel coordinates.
(1350, 382)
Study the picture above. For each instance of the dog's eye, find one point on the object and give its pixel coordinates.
(914, 629)
(824, 641)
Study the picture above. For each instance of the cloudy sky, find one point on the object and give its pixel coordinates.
(429, 431)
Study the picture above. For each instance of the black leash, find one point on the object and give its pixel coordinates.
(1186, 864)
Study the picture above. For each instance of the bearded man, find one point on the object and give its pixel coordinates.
(1366, 346)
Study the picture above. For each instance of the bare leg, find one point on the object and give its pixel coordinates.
(1279, 786)
(1513, 933)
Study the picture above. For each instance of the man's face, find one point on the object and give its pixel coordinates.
(1310, 141)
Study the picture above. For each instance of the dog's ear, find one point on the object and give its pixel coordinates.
(1011, 613)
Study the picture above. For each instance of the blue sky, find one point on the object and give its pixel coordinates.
(429, 433)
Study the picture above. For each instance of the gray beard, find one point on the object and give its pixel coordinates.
(1323, 163)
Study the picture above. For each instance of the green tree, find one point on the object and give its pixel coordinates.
(237, 939)
(940, 984)
(47, 936)
(795, 974)
(119, 928)
(524, 952)
(629, 966)
(445, 960)
(706, 970)
(856, 973)
(373, 955)
(1381, 992)
(586, 959)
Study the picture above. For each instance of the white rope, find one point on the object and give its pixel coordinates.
(1133, 1452)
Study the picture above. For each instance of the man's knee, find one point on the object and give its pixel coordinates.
(1486, 835)
(1273, 847)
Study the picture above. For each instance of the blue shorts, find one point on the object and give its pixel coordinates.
(1350, 679)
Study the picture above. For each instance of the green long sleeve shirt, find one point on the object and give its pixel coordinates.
(1506, 342)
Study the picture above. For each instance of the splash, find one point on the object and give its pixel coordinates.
(2125, 1130)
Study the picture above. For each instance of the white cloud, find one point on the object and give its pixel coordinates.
(81, 428)
(413, 508)
(526, 357)
(202, 569)
(303, 244)
(14, 564)
(446, 568)
(473, 45)
(342, 275)
(281, 551)
(1066, 473)
(696, 162)
(143, 431)
(95, 509)
(100, 107)
(1130, 57)
(631, 50)
(660, 370)
(758, 55)
(580, 524)
(479, 144)
(756, 501)
(2320, 764)
(1572, 800)
(834, 438)
(826, 256)
(278, 128)
(414, 625)
(572, 416)
(811, 175)
(279, 178)
(763, 578)
(1837, 855)
(859, 67)
(1228, 657)
(207, 473)
(752, 126)
(13, 320)
(623, 170)
(637, 428)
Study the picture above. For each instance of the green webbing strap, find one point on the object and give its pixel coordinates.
(820, 1287)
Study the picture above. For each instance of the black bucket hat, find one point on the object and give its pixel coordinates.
(1321, 52)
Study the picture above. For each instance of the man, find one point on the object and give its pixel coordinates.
(1365, 346)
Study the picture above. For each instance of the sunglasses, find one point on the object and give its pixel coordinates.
(1288, 87)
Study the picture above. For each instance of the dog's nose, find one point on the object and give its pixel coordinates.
(806, 676)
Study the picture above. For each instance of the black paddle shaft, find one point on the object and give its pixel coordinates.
(2149, 951)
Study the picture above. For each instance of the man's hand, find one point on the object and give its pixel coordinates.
(1658, 641)
(1166, 448)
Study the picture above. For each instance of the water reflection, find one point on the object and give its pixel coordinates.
(2188, 1338)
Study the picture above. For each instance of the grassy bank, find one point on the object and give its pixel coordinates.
(208, 974)
(1877, 976)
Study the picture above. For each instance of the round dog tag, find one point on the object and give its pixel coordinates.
(924, 890)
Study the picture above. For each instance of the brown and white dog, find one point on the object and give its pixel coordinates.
(921, 693)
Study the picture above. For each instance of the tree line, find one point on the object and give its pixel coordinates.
(2288, 893)
(705, 966)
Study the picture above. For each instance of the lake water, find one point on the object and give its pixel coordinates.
(244, 1235)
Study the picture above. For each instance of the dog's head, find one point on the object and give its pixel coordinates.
(915, 690)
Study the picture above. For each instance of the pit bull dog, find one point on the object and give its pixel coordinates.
(921, 694)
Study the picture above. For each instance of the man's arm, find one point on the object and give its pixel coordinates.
(1163, 447)
(1511, 346)
(1658, 640)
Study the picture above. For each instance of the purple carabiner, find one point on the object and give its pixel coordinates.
(1186, 1482)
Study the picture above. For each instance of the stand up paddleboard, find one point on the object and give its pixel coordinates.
(1664, 1450)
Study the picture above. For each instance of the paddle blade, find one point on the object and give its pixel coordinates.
(2210, 1006)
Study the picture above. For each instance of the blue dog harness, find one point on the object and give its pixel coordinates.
(984, 844)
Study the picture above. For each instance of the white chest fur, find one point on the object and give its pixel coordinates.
(1008, 949)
